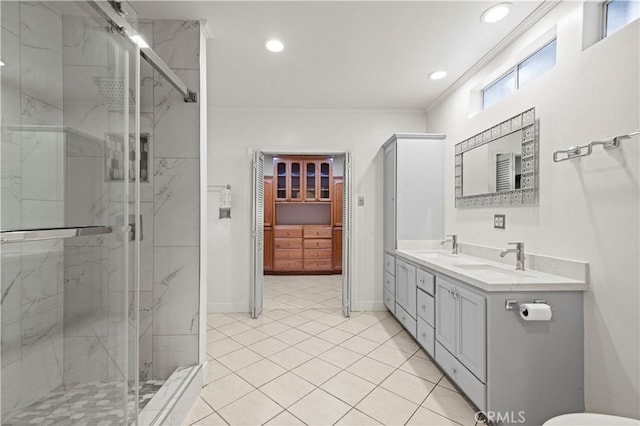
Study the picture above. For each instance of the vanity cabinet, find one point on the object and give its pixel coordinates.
(413, 209)
(461, 325)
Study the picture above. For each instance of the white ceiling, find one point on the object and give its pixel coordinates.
(360, 55)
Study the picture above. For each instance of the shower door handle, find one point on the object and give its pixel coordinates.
(56, 233)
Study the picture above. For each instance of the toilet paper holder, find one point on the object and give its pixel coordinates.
(510, 303)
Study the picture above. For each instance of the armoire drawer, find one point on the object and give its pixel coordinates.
(426, 281)
(390, 264)
(389, 283)
(285, 231)
(426, 337)
(390, 301)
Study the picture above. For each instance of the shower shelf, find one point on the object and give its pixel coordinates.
(57, 233)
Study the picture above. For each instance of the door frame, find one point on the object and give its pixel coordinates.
(347, 226)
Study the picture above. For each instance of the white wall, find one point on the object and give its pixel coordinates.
(233, 132)
(589, 208)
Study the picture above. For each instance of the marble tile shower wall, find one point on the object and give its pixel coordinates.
(169, 295)
(32, 197)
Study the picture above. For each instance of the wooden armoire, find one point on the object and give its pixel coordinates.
(303, 217)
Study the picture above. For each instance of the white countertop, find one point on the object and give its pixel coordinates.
(488, 275)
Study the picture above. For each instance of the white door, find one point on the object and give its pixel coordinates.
(346, 237)
(257, 234)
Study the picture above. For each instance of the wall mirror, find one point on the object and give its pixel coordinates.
(498, 167)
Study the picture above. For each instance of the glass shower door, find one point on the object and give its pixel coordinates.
(68, 315)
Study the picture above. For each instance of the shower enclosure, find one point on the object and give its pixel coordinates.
(76, 170)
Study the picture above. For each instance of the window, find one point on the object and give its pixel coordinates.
(522, 73)
(619, 13)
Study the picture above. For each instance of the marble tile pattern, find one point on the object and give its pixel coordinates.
(377, 375)
(176, 200)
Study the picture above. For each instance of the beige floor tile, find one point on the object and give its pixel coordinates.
(371, 370)
(276, 314)
(314, 346)
(249, 337)
(222, 347)
(355, 417)
(348, 387)
(408, 386)
(273, 328)
(214, 335)
(293, 336)
(257, 322)
(290, 358)
(313, 327)
(234, 361)
(212, 420)
(261, 372)
(366, 318)
(294, 320)
(360, 345)
(199, 410)
(423, 368)
(215, 371)
(424, 417)
(386, 407)
(340, 357)
(287, 389)
(332, 319)
(268, 347)
(285, 419)
(390, 356)
(403, 343)
(377, 334)
(446, 383)
(316, 371)
(224, 391)
(234, 328)
(220, 320)
(319, 408)
(252, 409)
(334, 336)
(351, 326)
(312, 314)
(451, 405)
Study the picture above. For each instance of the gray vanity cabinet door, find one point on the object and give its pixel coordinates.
(471, 347)
(446, 314)
(412, 292)
(402, 281)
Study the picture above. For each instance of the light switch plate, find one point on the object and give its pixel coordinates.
(499, 221)
(361, 201)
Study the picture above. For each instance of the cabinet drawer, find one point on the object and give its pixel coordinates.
(470, 385)
(426, 308)
(390, 264)
(317, 232)
(426, 337)
(287, 231)
(426, 281)
(287, 243)
(317, 243)
(287, 264)
(318, 265)
(390, 301)
(319, 254)
(406, 320)
(389, 283)
(287, 254)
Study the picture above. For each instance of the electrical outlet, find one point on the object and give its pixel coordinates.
(499, 221)
(361, 200)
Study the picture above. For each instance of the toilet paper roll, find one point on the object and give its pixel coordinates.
(535, 312)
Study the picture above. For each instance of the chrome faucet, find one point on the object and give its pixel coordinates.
(454, 243)
(519, 251)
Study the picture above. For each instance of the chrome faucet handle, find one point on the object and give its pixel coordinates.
(517, 243)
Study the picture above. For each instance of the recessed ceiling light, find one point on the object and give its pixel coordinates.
(438, 75)
(274, 46)
(495, 13)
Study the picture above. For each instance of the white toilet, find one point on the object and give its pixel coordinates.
(590, 419)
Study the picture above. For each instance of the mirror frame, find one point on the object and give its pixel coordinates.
(527, 195)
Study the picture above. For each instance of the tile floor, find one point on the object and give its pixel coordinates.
(302, 362)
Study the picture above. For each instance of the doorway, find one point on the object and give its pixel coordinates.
(312, 240)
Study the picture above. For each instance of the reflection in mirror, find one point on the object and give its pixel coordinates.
(499, 166)
(493, 167)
